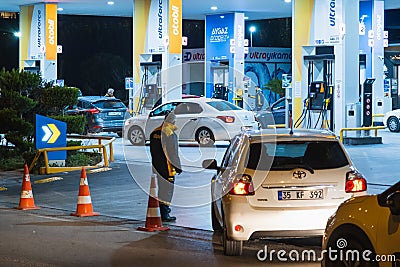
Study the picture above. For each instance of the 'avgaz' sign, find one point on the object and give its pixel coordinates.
(51, 133)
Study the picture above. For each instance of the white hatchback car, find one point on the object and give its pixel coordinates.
(203, 120)
(280, 184)
(391, 120)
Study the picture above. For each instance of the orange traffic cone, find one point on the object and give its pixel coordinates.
(153, 217)
(26, 201)
(84, 207)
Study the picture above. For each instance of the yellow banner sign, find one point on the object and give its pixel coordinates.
(175, 26)
(51, 31)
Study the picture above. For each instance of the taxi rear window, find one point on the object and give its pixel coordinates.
(288, 155)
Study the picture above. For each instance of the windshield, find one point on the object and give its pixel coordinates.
(316, 155)
(109, 104)
(223, 105)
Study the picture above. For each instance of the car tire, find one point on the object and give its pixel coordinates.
(136, 136)
(393, 124)
(231, 247)
(216, 226)
(204, 137)
(119, 134)
(86, 130)
(346, 240)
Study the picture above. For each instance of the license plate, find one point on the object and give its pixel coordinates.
(247, 128)
(300, 194)
(114, 113)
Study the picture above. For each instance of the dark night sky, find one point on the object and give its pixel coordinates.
(97, 51)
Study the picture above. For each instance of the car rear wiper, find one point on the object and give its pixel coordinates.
(294, 166)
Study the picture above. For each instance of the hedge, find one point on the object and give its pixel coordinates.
(75, 123)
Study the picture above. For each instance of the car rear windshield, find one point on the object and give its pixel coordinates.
(109, 104)
(223, 105)
(315, 155)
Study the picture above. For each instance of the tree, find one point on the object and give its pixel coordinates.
(16, 106)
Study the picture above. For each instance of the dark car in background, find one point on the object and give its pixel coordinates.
(103, 114)
(272, 115)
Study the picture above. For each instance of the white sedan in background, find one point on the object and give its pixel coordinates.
(203, 120)
(392, 120)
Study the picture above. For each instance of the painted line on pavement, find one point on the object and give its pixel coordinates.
(48, 180)
(99, 170)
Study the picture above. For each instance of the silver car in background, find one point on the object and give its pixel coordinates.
(203, 120)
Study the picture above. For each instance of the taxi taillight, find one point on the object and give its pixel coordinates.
(242, 186)
(355, 182)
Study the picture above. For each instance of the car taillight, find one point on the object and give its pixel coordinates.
(93, 111)
(243, 186)
(355, 182)
(227, 119)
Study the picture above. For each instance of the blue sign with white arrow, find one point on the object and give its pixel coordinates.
(51, 133)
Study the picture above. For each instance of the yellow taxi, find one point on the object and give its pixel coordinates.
(364, 231)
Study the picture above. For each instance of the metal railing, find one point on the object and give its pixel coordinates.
(375, 128)
(101, 146)
(274, 126)
(376, 116)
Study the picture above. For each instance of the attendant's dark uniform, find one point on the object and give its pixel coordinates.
(166, 162)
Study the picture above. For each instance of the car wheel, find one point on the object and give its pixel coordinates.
(231, 247)
(205, 137)
(216, 226)
(393, 124)
(86, 130)
(136, 136)
(349, 242)
(119, 134)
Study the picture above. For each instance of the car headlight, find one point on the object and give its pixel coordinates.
(127, 122)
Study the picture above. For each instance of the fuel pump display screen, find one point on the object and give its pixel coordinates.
(317, 95)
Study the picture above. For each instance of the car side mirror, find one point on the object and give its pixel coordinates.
(393, 202)
(210, 164)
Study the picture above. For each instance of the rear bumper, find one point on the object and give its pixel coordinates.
(273, 222)
(287, 233)
(112, 129)
(105, 126)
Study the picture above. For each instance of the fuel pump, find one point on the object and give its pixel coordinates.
(150, 89)
(318, 106)
(220, 73)
(367, 102)
(220, 91)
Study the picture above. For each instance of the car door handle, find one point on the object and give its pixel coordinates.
(193, 119)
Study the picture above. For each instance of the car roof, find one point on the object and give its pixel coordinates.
(295, 134)
(195, 100)
(97, 98)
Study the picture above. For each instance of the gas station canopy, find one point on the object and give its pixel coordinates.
(254, 9)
